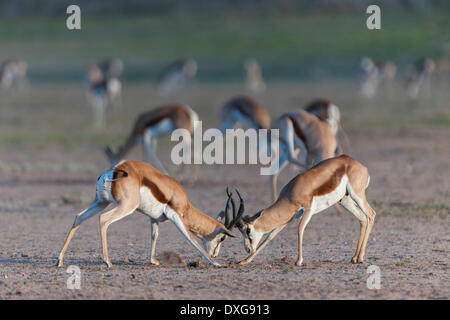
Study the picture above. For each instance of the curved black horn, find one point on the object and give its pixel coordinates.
(240, 211)
(227, 208)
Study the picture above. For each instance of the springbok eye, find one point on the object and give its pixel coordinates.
(222, 239)
(248, 231)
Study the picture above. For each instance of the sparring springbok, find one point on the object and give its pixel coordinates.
(152, 124)
(134, 185)
(340, 180)
(301, 131)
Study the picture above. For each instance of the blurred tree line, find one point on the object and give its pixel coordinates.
(27, 8)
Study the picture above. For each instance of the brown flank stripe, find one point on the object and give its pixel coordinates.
(331, 184)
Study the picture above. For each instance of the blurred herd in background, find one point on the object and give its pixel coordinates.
(104, 86)
(178, 66)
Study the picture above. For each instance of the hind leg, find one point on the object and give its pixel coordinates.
(370, 213)
(94, 208)
(301, 228)
(348, 203)
(155, 232)
(119, 212)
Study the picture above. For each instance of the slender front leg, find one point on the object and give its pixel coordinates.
(271, 235)
(155, 232)
(301, 228)
(175, 218)
(94, 207)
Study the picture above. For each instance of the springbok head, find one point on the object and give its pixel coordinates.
(245, 224)
(212, 244)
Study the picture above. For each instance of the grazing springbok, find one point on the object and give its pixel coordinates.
(329, 113)
(103, 91)
(134, 185)
(253, 76)
(176, 74)
(111, 68)
(340, 180)
(246, 111)
(371, 78)
(420, 78)
(13, 73)
(152, 124)
(388, 71)
(301, 131)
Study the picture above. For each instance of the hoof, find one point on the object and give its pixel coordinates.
(108, 263)
(155, 262)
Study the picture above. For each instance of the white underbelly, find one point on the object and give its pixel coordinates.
(150, 206)
(320, 203)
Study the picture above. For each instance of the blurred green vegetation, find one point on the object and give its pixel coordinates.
(290, 46)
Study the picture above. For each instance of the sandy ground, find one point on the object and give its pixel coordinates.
(42, 188)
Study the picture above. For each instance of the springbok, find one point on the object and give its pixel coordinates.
(246, 111)
(152, 124)
(134, 185)
(103, 91)
(420, 78)
(254, 78)
(340, 180)
(175, 74)
(388, 73)
(329, 113)
(13, 73)
(249, 113)
(111, 68)
(371, 78)
(301, 131)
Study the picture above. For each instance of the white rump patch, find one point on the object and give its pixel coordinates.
(103, 187)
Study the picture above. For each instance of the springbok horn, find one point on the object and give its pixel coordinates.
(240, 211)
(227, 210)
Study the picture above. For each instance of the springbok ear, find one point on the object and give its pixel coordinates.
(220, 216)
